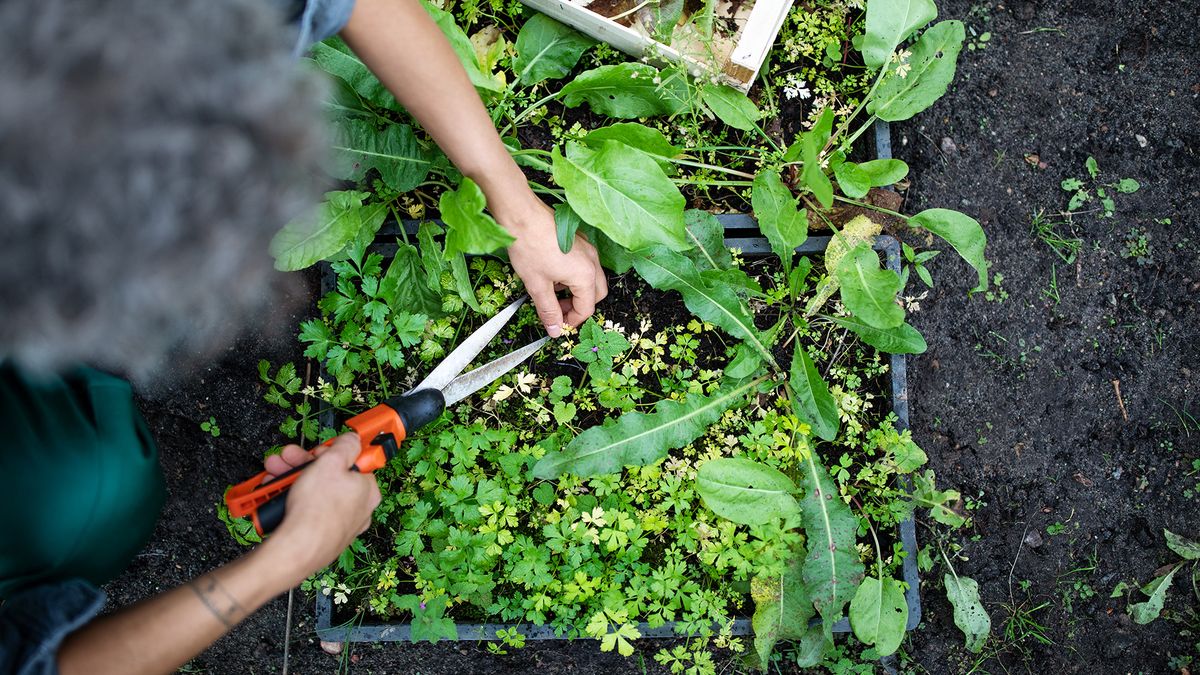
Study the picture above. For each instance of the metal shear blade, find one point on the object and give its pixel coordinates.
(456, 386)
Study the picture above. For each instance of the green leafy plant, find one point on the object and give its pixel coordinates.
(640, 472)
(210, 427)
(1156, 590)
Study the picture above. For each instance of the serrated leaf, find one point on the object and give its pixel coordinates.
(879, 614)
(547, 50)
(903, 339)
(883, 172)
(337, 221)
(832, 570)
(969, 614)
(623, 193)
(1186, 548)
(746, 492)
(708, 235)
(963, 233)
(628, 91)
(853, 181)
(730, 106)
(784, 225)
(1071, 184)
(811, 400)
(719, 305)
(639, 136)
(782, 610)
(1092, 168)
(432, 258)
(468, 228)
(402, 163)
(926, 494)
(639, 439)
(1078, 199)
(566, 224)
(932, 64)
(889, 23)
(869, 291)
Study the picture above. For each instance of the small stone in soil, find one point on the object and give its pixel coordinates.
(948, 146)
(1033, 539)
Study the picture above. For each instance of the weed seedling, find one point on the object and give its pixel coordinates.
(1050, 231)
(1081, 194)
(1137, 247)
(210, 427)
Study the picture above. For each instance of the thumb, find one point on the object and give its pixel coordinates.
(345, 450)
(548, 310)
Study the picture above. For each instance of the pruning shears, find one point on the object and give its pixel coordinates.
(381, 429)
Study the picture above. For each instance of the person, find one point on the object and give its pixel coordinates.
(148, 152)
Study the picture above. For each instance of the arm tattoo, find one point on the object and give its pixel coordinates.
(218, 600)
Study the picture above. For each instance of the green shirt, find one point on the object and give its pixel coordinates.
(80, 483)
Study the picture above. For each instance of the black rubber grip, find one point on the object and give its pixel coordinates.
(418, 408)
(270, 514)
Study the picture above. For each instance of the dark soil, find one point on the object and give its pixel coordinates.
(1015, 400)
(1032, 432)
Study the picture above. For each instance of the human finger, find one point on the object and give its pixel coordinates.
(548, 310)
(583, 302)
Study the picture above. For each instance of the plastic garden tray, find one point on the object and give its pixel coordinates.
(740, 229)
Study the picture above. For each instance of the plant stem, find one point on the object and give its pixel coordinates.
(871, 206)
(702, 165)
(528, 111)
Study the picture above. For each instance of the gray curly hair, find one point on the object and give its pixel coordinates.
(148, 151)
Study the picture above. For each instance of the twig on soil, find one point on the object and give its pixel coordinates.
(1120, 401)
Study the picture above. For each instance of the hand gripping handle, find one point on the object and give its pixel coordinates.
(380, 429)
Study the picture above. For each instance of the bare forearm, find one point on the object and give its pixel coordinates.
(162, 633)
(406, 50)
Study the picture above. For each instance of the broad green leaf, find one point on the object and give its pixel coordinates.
(623, 193)
(708, 235)
(811, 400)
(337, 221)
(638, 438)
(462, 281)
(468, 228)
(832, 570)
(860, 230)
(744, 363)
(813, 176)
(903, 339)
(547, 50)
(432, 258)
(1092, 167)
(1186, 548)
(717, 304)
(628, 91)
(731, 106)
(489, 46)
(428, 617)
(879, 614)
(566, 224)
(960, 231)
(650, 141)
(855, 182)
(462, 47)
(746, 492)
(969, 614)
(1128, 185)
(890, 22)
(782, 610)
(613, 256)
(403, 285)
(869, 291)
(402, 163)
(1143, 613)
(335, 58)
(933, 61)
(883, 172)
(810, 650)
(785, 226)
(907, 455)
